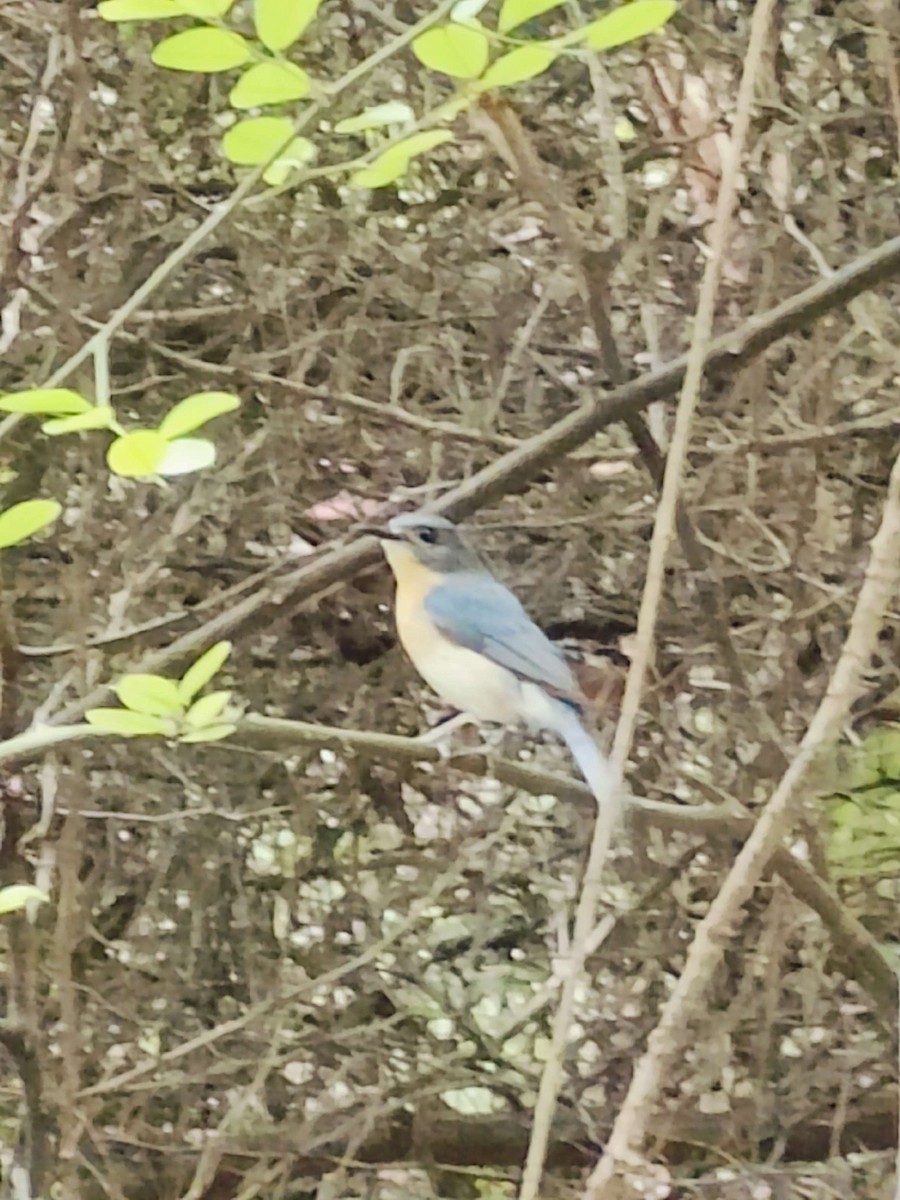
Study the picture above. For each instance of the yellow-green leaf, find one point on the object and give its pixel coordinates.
(394, 112)
(296, 155)
(18, 895)
(211, 733)
(280, 22)
(627, 23)
(185, 455)
(124, 723)
(198, 674)
(99, 417)
(136, 455)
(270, 83)
(25, 519)
(523, 63)
(455, 50)
(152, 695)
(140, 10)
(207, 710)
(193, 411)
(256, 139)
(47, 402)
(394, 162)
(517, 12)
(205, 49)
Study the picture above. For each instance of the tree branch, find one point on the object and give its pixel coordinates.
(519, 466)
(846, 685)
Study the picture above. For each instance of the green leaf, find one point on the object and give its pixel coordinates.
(280, 22)
(523, 63)
(627, 23)
(212, 733)
(270, 83)
(394, 162)
(137, 455)
(394, 112)
(205, 49)
(300, 152)
(207, 710)
(255, 139)
(125, 723)
(99, 417)
(195, 410)
(185, 455)
(140, 10)
(152, 695)
(517, 12)
(455, 50)
(18, 895)
(466, 11)
(49, 402)
(25, 519)
(198, 674)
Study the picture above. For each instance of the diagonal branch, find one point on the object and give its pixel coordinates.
(845, 687)
(511, 471)
(663, 531)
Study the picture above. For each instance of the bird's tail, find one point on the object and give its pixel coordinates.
(601, 775)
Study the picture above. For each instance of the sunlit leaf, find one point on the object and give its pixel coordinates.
(523, 63)
(18, 895)
(124, 723)
(394, 162)
(212, 733)
(198, 674)
(49, 402)
(150, 694)
(138, 454)
(466, 11)
(99, 417)
(23, 520)
(207, 710)
(455, 50)
(627, 23)
(280, 22)
(297, 154)
(517, 12)
(195, 410)
(140, 10)
(270, 83)
(256, 139)
(394, 112)
(205, 49)
(186, 455)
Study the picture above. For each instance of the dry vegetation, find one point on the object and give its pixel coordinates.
(266, 972)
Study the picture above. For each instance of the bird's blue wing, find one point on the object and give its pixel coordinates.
(478, 612)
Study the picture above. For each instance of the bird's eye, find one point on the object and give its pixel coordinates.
(428, 536)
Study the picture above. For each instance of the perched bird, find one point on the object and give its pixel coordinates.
(472, 641)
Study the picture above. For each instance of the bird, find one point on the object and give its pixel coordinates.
(471, 640)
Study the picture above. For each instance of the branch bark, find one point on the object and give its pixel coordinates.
(846, 685)
(519, 466)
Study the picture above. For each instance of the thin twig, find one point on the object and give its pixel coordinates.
(340, 562)
(845, 687)
(663, 531)
(227, 208)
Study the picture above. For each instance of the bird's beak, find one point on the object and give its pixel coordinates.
(380, 531)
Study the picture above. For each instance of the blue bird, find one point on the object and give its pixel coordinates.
(472, 641)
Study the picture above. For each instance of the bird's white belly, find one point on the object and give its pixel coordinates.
(471, 682)
(485, 690)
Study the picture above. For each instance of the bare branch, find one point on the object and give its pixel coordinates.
(845, 686)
